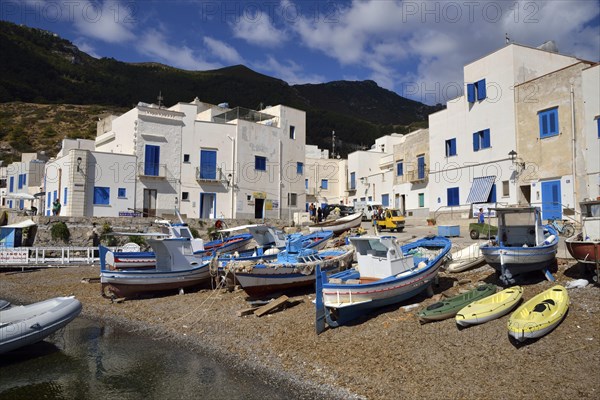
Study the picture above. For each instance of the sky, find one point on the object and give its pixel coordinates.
(414, 48)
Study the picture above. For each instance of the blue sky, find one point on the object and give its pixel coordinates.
(415, 48)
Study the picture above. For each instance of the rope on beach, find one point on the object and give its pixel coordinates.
(219, 286)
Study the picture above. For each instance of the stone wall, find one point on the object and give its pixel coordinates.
(86, 231)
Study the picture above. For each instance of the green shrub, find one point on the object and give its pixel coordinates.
(195, 232)
(105, 235)
(139, 240)
(60, 231)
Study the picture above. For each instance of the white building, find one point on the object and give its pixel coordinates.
(212, 161)
(90, 183)
(24, 178)
(325, 179)
(371, 172)
(411, 178)
(471, 139)
(591, 106)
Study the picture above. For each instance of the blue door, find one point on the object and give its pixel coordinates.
(551, 205)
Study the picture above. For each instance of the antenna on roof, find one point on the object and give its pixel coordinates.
(160, 99)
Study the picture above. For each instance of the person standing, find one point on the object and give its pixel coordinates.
(56, 207)
(481, 218)
(319, 214)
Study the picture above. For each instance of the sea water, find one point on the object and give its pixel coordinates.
(88, 360)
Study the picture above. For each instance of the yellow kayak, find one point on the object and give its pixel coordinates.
(490, 307)
(539, 315)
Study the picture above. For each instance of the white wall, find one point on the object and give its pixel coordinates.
(591, 98)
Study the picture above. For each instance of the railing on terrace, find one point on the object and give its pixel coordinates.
(414, 176)
(152, 170)
(220, 177)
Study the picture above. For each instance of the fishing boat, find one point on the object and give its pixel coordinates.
(338, 226)
(539, 315)
(294, 267)
(464, 259)
(24, 325)
(386, 273)
(490, 307)
(177, 267)
(449, 307)
(523, 243)
(270, 241)
(135, 259)
(585, 246)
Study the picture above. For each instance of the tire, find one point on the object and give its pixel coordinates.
(474, 234)
(568, 230)
(399, 229)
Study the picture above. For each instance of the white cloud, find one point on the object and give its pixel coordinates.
(153, 43)
(436, 39)
(257, 29)
(110, 21)
(289, 71)
(223, 51)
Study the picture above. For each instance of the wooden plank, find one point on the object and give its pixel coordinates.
(353, 281)
(246, 311)
(335, 280)
(278, 302)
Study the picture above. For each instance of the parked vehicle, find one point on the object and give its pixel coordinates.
(344, 209)
(368, 208)
(391, 219)
(484, 230)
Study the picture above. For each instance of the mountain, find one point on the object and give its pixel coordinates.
(38, 66)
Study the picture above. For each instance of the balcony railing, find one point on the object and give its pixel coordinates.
(415, 177)
(219, 176)
(148, 170)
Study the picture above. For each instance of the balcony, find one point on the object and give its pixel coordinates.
(220, 177)
(152, 171)
(415, 177)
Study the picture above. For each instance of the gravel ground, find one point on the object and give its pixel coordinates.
(383, 355)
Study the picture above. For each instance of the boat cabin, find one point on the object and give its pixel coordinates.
(520, 226)
(380, 257)
(590, 216)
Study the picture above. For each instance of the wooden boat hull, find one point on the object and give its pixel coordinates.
(539, 315)
(587, 251)
(466, 258)
(491, 307)
(338, 226)
(263, 279)
(346, 301)
(231, 244)
(24, 325)
(448, 308)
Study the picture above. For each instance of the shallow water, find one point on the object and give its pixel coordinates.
(87, 360)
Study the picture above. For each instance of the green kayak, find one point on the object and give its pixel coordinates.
(449, 307)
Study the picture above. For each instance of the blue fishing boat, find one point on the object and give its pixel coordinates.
(293, 267)
(386, 273)
(523, 243)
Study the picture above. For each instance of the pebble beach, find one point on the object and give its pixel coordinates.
(383, 355)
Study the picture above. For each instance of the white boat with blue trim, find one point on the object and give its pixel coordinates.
(523, 243)
(386, 273)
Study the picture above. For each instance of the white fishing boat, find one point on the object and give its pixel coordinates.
(523, 243)
(338, 226)
(466, 258)
(386, 273)
(24, 325)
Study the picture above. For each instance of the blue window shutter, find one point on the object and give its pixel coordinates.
(49, 199)
(543, 117)
(385, 200)
(299, 168)
(421, 167)
(65, 197)
(151, 160)
(553, 122)
(24, 179)
(476, 141)
(101, 195)
(208, 164)
(481, 92)
(471, 93)
(453, 146)
(486, 139)
(452, 194)
(54, 195)
(324, 183)
(400, 169)
(352, 180)
(305, 183)
(598, 126)
(11, 186)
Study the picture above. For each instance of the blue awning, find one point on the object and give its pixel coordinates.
(480, 191)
